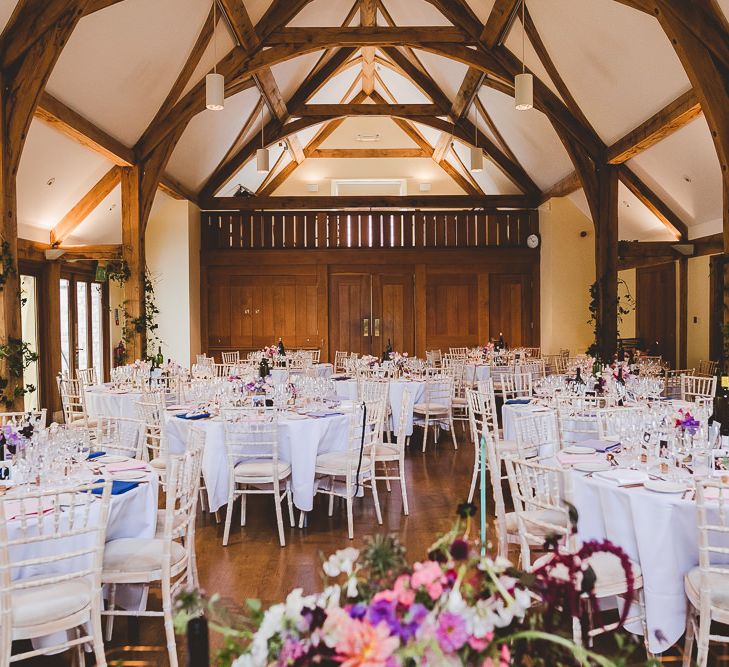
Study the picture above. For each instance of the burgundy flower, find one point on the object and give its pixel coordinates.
(459, 549)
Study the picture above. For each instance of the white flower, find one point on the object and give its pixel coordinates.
(271, 624)
(340, 562)
(295, 603)
(352, 587)
(329, 598)
(245, 660)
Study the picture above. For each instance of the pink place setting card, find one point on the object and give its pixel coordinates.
(126, 465)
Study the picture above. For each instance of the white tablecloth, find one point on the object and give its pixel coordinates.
(102, 401)
(347, 389)
(476, 373)
(658, 531)
(299, 442)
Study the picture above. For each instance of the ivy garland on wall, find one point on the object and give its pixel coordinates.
(626, 305)
(16, 353)
(147, 322)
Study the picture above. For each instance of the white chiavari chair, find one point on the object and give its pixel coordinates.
(340, 366)
(612, 421)
(51, 551)
(437, 407)
(577, 417)
(230, 357)
(433, 357)
(459, 402)
(376, 388)
(251, 441)
(707, 585)
(388, 453)
(170, 386)
(497, 371)
(314, 353)
(204, 359)
(73, 403)
(533, 352)
(482, 416)
(458, 352)
(693, 387)
(120, 436)
(36, 417)
(673, 381)
(354, 469)
(155, 442)
(542, 496)
(163, 560)
(707, 368)
(537, 435)
(516, 385)
(87, 377)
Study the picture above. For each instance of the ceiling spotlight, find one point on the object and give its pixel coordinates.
(687, 178)
(51, 181)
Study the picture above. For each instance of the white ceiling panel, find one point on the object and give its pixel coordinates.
(683, 170)
(103, 224)
(6, 11)
(636, 222)
(481, 8)
(491, 180)
(207, 137)
(248, 176)
(322, 13)
(334, 90)
(616, 61)
(292, 73)
(256, 9)
(532, 60)
(72, 170)
(414, 12)
(390, 135)
(402, 88)
(215, 51)
(530, 136)
(120, 63)
(448, 74)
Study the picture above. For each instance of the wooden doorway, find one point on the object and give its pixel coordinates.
(509, 307)
(655, 312)
(368, 308)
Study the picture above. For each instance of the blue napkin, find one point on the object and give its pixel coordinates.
(95, 455)
(518, 401)
(201, 415)
(118, 486)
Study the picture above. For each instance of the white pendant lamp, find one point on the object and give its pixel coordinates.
(214, 82)
(476, 152)
(524, 82)
(262, 162)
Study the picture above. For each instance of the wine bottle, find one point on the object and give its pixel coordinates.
(160, 357)
(721, 403)
(620, 379)
(388, 351)
(263, 369)
(578, 376)
(281, 349)
(502, 342)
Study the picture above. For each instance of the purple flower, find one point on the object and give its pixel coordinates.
(451, 632)
(291, 651)
(412, 621)
(383, 610)
(459, 549)
(358, 611)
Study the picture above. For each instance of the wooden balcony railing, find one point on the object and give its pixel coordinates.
(325, 230)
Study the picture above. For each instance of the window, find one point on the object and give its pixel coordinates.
(29, 332)
(84, 327)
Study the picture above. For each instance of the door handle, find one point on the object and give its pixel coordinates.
(377, 327)
(366, 327)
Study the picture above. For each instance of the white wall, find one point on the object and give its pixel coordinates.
(698, 307)
(567, 271)
(173, 259)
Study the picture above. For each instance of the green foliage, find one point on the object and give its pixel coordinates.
(18, 356)
(7, 265)
(383, 555)
(625, 306)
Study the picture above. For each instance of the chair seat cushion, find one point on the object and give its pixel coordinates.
(431, 408)
(177, 522)
(132, 554)
(159, 462)
(718, 585)
(609, 573)
(261, 469)
(390, 451)
(79, 421)
(52, 602)
(460, 402)
(547, 516)
(336, 462)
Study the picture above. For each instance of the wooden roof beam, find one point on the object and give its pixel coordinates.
(499, 22)
(563, 187)
(35, 251)
(672, 117)
(344, 202)
(65, 227)
(653, 203)
(366, 153)
(368, 18)
(384, 109)
(367, 36)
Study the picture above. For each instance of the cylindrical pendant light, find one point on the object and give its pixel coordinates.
(214, 91)
(524, 82)
(524, 91)
(214, 82)
(262, 162)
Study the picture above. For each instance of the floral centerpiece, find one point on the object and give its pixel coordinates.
(14, 436)
(369, 360)
(686, 421)
(258, 385)
(173, 368)
(399, 359)
(617, 365)
(457, 607)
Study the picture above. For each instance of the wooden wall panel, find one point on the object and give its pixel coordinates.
(655, 311)
(424, 297)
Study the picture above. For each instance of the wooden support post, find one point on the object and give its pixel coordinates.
(606, 258)
(133, 255)
(50, 325)
(683, 312)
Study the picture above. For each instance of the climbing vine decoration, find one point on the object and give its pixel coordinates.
(147, 322)
(16, 353)
(626, 305)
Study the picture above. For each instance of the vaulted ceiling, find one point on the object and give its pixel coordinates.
(611, 65)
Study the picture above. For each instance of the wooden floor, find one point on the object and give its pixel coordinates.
(254, 565)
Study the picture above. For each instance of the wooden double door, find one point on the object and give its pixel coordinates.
(369, 307)
(656, 310)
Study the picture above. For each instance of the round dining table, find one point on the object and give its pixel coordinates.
(300, 439)
(658, 531)
(103, 400)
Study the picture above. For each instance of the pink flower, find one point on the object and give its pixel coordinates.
(364, 645)
(404, 594)
(479, 643)
(505, 656)
(435, 590)
(425, 574)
